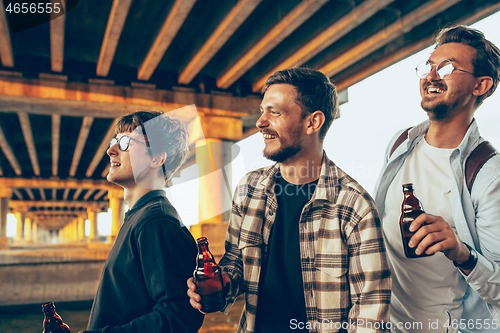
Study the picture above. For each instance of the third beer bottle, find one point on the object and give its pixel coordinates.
(410, 210)
(52, 322)
(208, 279)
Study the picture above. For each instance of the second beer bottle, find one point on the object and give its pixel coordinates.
(208, 279)
(410, 210)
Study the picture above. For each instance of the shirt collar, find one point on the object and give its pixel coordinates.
(148, 196)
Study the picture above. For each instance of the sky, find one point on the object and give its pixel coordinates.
(378, 107)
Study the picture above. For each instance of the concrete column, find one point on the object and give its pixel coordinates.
(5, 194)
(212, 157)
(117, 205)
(27, 230)
(20, 216)
(81, 228)
(93, 226)
(34, 232)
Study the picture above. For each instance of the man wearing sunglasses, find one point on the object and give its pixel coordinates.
(142, 283)
(457, 288)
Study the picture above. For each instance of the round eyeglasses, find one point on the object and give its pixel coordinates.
(124, 142)
(443, 69)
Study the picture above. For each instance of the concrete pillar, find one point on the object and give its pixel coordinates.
(34, 232)
(92, 214)
(27, 230)
(81, 228)
(20, 217)
(117, 205)
(5, 194)
(212, 157)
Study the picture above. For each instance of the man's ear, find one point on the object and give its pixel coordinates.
(316, 120)
(158, 160)
(484, 83)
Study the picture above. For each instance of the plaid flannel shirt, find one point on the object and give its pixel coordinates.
(344, 268)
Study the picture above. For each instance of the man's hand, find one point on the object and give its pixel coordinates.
(435, 235)
(194, 297)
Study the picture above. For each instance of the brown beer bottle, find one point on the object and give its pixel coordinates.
(208, 279)
(52, 322)
(410, 209)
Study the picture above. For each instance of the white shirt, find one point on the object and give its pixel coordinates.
(427, 292)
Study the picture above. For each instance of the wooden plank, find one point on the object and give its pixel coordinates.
(386, 35)
(54, 194)
(42, 194)
(116, 21)
(279, 32)
(219, 37)
(330, 35)
(56, 133)
(6, 55)
(32, 97)
(57, 204)
(80, 144)
(18, 194)
(9, 154)
(57, 26)
(100, 194)
(30, 142)
(101, 151)
(105, 172)
(56, 183)
(30, 193)
(77, 193)
(168, 31)
(66, 194)
(88, 194)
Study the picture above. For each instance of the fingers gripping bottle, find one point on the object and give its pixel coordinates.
(410, 210)
(208, 279)
(52, 322)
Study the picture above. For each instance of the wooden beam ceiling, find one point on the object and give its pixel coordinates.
(114, 27)
(30, 143)
(58, 183)
(80, 144)
(9, 154)
(6, 54)
(56, 132)
(103, 147)
(226, 28)
(303, 11)
(168, 31)
(330, 35)
(386, 35)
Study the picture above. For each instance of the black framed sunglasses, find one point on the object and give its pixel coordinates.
(123, 142)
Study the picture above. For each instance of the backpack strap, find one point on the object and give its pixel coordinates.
(402, 138)
(480, 155)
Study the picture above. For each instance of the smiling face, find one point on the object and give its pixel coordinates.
(281, 123)
(126, 166)
(444, 98)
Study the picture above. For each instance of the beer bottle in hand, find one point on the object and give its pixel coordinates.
(410, 209)
(208, 279)
(53, 322)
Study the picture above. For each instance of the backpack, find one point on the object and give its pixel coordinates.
(480, 155)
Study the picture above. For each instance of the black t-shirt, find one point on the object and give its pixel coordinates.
(281, 303)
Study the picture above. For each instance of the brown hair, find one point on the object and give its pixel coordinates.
(162, 134)
(487, 59)
(314, 92)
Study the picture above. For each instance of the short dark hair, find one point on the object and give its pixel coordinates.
(487, 59)
(162, 134)
(314, 92)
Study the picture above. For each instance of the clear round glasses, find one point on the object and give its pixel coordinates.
(123, 142)
(443, 69)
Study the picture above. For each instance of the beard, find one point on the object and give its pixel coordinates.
(282, 154)
(437, 112)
